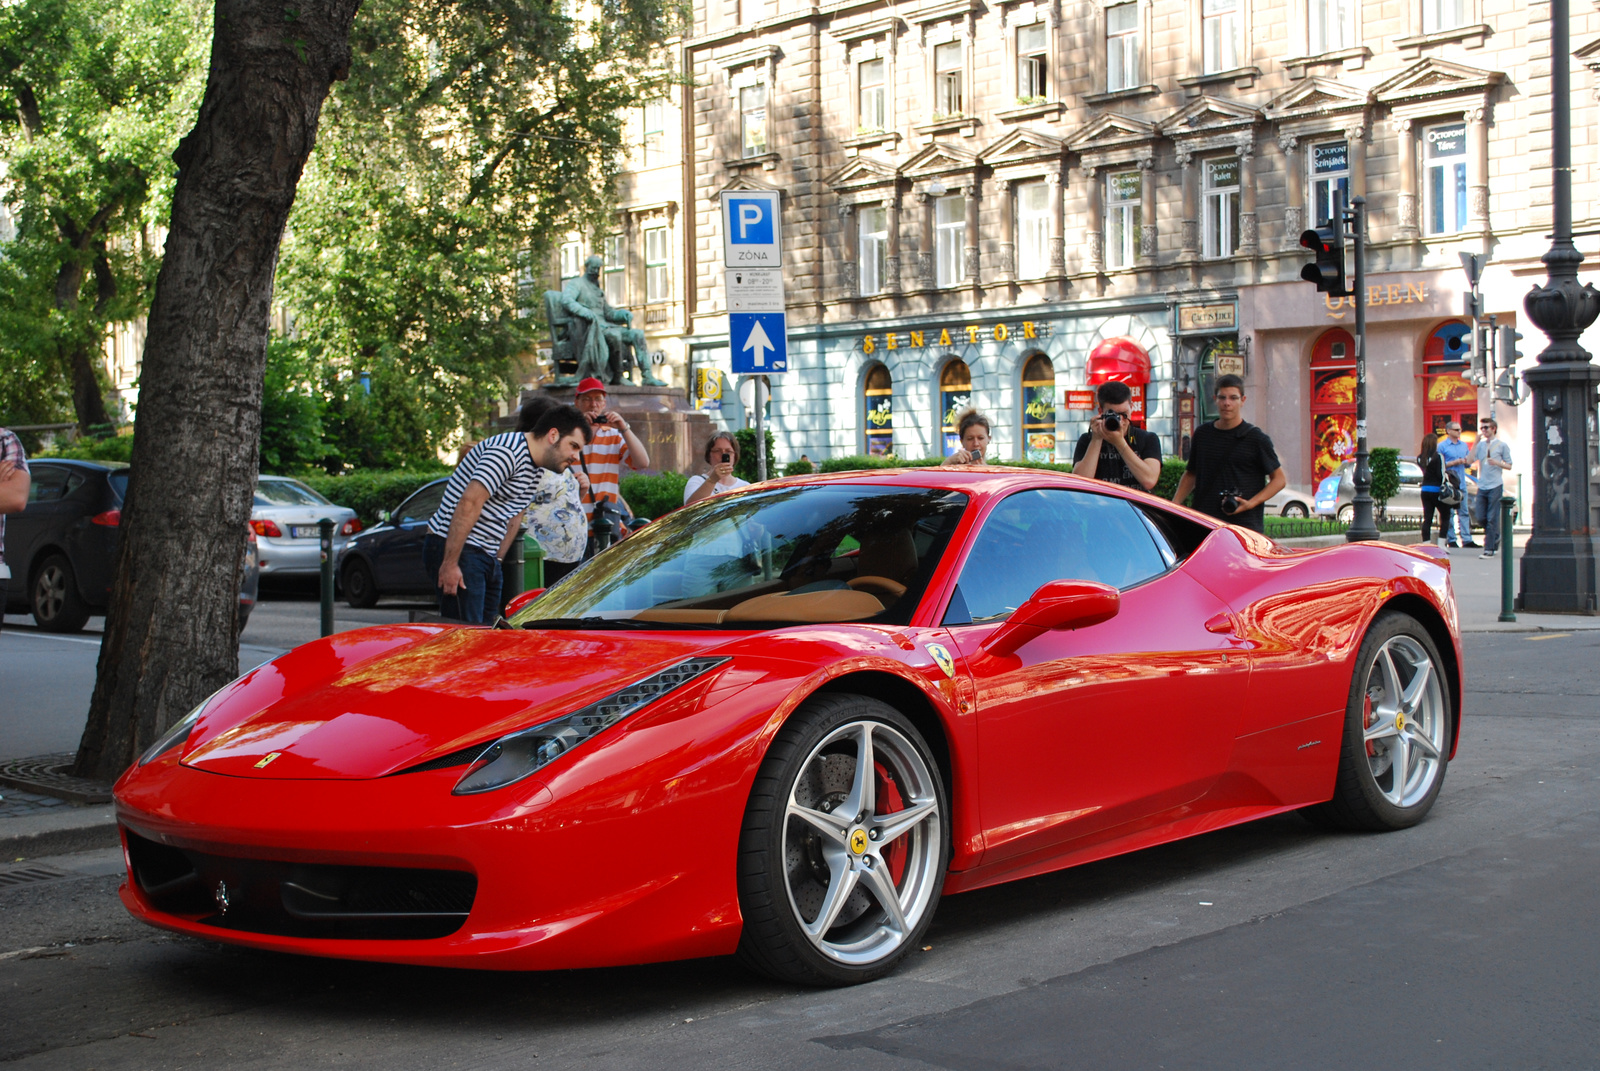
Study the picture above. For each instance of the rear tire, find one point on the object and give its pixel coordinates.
(1296, 510)
(360, 590)
(1396, 741)
(1347, 513)
(839, 874)
(53, 597)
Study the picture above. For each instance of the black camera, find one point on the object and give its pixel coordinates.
(1231, 500)
(727, 457)
(600, 418)
(1111, 421)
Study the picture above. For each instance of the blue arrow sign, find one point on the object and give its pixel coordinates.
(759, 341)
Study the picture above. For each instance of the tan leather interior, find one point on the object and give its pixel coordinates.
(681, 617)
(877, 583)
(836, 604)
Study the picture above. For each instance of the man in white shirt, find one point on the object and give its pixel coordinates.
(1493, 458)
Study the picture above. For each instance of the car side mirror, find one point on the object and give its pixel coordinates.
(384, 516)
(1057, 605)
(517, 602)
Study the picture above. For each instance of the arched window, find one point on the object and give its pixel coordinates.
(1039, 409)
(877, 398)
(955, 396)
(1447, 395)
(1333, 403)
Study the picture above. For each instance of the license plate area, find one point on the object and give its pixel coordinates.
(303, 531)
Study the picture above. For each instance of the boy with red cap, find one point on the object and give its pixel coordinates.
(612, 445)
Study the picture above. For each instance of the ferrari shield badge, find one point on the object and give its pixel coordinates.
(858, 841)
(942, 657)
(266, 760)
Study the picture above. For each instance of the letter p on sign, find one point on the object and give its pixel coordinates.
(752, 224)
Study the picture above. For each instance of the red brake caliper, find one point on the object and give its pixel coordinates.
(890, 801)
(1366, 722)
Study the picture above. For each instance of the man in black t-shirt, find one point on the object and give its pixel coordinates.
(1113, 449)
(1233, 467)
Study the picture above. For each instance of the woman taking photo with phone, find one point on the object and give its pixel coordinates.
(722, 453)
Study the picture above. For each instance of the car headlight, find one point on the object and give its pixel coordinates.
(513, 757)
(179, 733)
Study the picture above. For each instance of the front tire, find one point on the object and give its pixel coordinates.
(360, 590)
(1396, 742)
(844, 848)
(1347, 513)
(54, 599)
(1296, 510)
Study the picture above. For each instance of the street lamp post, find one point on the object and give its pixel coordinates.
(1362, 525)
(1558, 566)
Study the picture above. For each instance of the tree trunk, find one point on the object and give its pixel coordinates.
(171, 629)
(88, 403)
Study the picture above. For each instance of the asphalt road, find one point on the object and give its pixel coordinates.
(1470, 941)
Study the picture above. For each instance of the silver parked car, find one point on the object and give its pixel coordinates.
(285, 522)
(1290, 502)
(1342, 505)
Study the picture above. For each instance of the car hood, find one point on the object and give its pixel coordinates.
(375, 701)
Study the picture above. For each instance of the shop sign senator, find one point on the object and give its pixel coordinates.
(955, 336)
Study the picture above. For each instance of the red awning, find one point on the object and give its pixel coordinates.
(1119, 359)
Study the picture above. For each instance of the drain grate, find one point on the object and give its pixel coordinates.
(48, 776)
(24, 875)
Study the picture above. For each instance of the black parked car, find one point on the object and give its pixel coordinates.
(64, 544)
(387, 559)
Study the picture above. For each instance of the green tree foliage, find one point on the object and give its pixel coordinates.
(291, 412)
(466, 139)
(94, 95)
(1385, 462)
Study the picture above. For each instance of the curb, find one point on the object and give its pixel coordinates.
(59, 832)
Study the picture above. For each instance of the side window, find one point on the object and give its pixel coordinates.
(420, 506)
(1034, 537)
(49, 483)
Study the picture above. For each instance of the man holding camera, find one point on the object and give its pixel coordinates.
(1233, 468)
(1113, 449)
(612, 445)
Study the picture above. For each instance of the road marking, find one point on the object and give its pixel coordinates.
(1553, 636)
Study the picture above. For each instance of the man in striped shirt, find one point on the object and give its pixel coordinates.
(478, 517)
(612, 445)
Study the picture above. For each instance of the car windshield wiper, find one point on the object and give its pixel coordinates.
(596, 623)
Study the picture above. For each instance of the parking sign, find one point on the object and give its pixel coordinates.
(751, 229)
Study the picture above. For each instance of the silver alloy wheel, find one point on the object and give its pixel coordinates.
(859, 878)
(50, 591)
(1404, 721)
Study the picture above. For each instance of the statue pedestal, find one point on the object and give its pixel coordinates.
(673, 433)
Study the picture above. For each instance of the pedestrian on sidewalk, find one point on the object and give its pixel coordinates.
(973, 428)
(612, 444)
(1492, 458)
(722, 454)
(15, 479)
(482, 508)
(1432, 464)
(1115, 449)
(1233, 467)
(1455, 452)
(555, 516)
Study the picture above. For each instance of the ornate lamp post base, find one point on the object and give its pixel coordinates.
(1559, 564)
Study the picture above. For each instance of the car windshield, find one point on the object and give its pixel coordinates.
(784, 555)
(287, 493)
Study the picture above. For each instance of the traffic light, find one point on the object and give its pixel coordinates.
(1506, 387)
(1328, 270)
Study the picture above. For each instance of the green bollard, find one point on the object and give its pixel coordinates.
(325, 534)
(532, 564)
(1507, 553)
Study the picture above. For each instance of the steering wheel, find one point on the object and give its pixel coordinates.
(878, 584)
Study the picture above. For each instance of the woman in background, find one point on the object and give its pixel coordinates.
(722, 454)
(1432, 463)
(974, 430)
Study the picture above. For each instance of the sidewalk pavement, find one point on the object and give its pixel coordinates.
(32, 825)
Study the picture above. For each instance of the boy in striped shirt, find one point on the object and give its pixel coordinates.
(612, 445)
(483, 504)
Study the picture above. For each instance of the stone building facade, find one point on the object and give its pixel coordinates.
(978, 194)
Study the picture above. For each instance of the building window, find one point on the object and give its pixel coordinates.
(1445, 149)
(1122, 47)
(1033, 229)
(1039, 410)
(1440, 15)
(1124, 217)
(955, 398)
(1219, 34)
(1333, 403)
(874, 248)
(874, 115)
(1033, 64)
(1332, 25)
(947, 78)
(878, 406)
(1222, 207)
(615, 274)
(571, 260)
(657, 283)
(1330, 180)
(753, 119)
(949, 238)
(655, 133)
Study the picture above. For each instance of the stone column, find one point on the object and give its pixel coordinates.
(1147, 210)
(849, 277)
(891, 282)
(1477, 170)
(1095, 254)
(1007, 192)
(1058, 252)
(970, 263)
(924, 266)
(1190, 248)
(1249, 236)
(1406, 226)
(1294, 172)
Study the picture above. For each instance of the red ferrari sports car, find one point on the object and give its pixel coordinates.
(784, 721)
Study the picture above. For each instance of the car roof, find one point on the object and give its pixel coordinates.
(79, 463)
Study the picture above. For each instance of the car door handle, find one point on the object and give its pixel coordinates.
(1223, 623)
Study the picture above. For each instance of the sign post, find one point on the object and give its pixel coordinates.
(758, 328)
